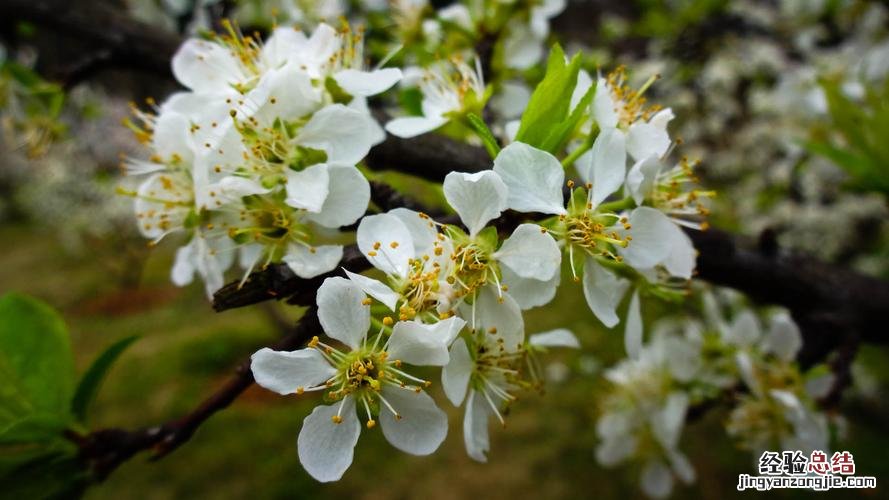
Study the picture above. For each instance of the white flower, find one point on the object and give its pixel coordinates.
(449, 88)
(523, 45)
(366, 377)
(528, 260)
(643, 403)
(484, 367)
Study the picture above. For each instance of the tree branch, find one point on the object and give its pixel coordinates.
(104, 450)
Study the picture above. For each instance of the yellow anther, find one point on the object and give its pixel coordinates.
(388, 321)
(300, 390)
(367, 301)
(371, 423)
(314, 341)
(394, 244)
(337, 419)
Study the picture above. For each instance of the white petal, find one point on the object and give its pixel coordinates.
(608, 167)
(283, 371)
(422, 426)
(667, 423)
(681, 466)
(306, 263)
(745, 330)
(455, 375)
(386, 231)
(560, 337)
(530, 293)
(326, 448)
(249, 255)
(784, 339)
(521, 49)
(584, 82)
(614, 451)
(422, 231)
(281, 46)
(652, 233)
(662, 118)
(342, 314)
(512, 100)
(475, 427)
(206, 67)
(477, 198)
(375, 289)
(285, 93)
(307, 189)
(183, 267)
(505, 316)
(745, 369)
(633, 328)
(603, 291)
(172, 137)
(347, 197)
(641, 177)
(367, 83)
(530, 253)
(534, 178)
(412, 126)
(683, 257)
(346, 135)
(604, 107)
(645, 139)
(657, 480)
(418, 344)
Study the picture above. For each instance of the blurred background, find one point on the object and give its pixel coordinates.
(785, 102)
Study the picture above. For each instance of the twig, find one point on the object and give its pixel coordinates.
(104, 450)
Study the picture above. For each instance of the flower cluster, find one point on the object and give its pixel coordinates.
(688, 363)
(257, 159)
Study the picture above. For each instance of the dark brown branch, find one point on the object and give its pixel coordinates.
(104, 450)
(124, 42)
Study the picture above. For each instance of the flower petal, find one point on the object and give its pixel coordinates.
(608, 166)
(346, 135)
(682, 258)
(307, 189)
(477, 198)
(421, 344)
(530, 293)
(341, 311)
(530, 252)
(652, 233)
(375, 289)
(286, 93)
(504, 316)
(326, 448)
(560, 337)
(745, 330)
(633, 328)
(422, 426)
(423, 232)
(455, 375)
(386, 242)
(667, 423)
(206, 67)
(641, 177)
(284, 372)
(407, 127)
(475, 427)
(656, 480)
(367, 83)
(534, 179)
(347, 197)
(784, 339)
(306, 263)
(645, 140)
(172, 137)
(604, 107)
(603, 291)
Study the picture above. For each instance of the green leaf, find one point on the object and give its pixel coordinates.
(560, 134)
(36, 365)
(484, 133)
(92, 380)
(550, 101)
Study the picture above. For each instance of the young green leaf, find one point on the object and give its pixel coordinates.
(550, 102)
(36, 365)
(92, 380)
